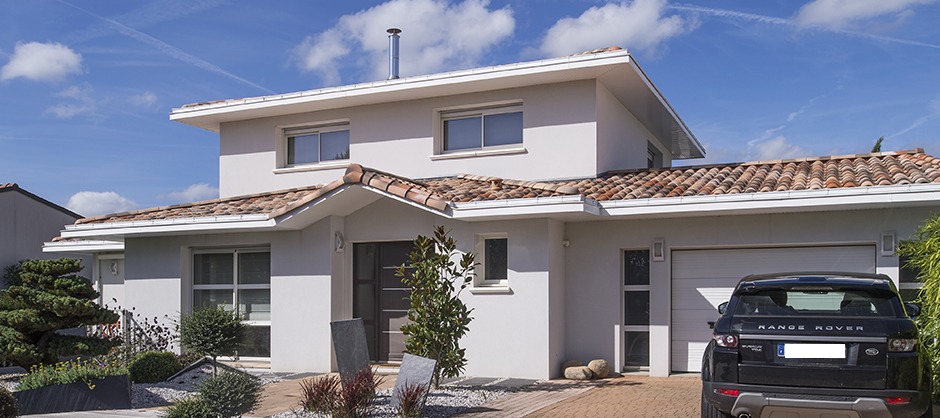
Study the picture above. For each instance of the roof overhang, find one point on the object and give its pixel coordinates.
(616, 70)
(345, 200)
(575, 208)
(82, 246)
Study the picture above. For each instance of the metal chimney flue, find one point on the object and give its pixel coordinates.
(393, 52)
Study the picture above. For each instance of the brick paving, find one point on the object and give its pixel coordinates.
(624, 396)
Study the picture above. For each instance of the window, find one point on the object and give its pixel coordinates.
(654, 158)
(909, 285)
(636, 308)
(314, 145)
(238, 280)
(493, 256)
(482, 128)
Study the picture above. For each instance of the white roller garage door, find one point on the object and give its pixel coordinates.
(702, 279)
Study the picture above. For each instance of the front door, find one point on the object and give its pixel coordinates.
(380, 298)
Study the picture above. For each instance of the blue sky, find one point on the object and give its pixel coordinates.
(86, 86)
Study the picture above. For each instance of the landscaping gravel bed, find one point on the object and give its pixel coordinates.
(147, 395)
(443, 402)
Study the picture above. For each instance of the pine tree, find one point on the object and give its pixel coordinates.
(43, 297)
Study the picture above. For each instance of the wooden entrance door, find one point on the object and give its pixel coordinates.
(380, 298)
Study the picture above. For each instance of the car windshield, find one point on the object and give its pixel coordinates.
(849, 303)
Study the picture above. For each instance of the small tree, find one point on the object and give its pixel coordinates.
(212, 332)
(923, 254)
(438, 317)
(44, 297)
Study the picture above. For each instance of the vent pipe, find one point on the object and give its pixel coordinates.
(393, 53)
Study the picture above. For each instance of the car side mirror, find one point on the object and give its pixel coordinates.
(723, 307)
(912, 309)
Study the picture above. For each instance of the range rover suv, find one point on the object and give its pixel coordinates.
(815, 345)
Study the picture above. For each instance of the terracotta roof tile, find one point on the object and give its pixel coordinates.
(867, 170)
(859, 170)
(7, 185)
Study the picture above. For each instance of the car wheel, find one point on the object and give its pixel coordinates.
(928, 414)
(709, 410)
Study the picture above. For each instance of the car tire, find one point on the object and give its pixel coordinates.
(928, 414)
(709, 410)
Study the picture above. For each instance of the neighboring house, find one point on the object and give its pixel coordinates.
(557, 173)
(26, 221)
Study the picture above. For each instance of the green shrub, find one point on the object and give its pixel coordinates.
(212, 332)
(72, 371)
(231, 394)
(9, 408)
(188, 357)
(154, 366)
(191, 407)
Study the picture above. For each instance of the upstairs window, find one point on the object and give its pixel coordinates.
(314, 145)
(481, 128)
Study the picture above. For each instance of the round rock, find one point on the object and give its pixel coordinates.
(578, 373)
(600, 368)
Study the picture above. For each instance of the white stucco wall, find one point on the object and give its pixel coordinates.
(25, 224)
(158, 281)
(511, 334)
(593, 292)
(622, 140)
(558, 137)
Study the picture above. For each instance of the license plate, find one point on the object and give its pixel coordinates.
(810, 351)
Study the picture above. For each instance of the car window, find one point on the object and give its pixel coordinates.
(848, 303)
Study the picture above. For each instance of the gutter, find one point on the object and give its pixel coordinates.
(176, 225)
(766, 202)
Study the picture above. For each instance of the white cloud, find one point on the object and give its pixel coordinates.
(99, 203)
(775, 148)
(638, 26)
(39, 61)
(841, 14)
(436, 36)
(143, 99)
(80, 103)
(195, 193)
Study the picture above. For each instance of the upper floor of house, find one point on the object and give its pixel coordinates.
(568, 117)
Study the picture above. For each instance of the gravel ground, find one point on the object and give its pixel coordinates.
(146, 395)
(444, 402)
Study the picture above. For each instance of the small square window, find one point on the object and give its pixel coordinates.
(316, 144)
(493, 256)
(477, 129)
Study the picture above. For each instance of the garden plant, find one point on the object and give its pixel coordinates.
(42, 298)
(327, 396)
(437, 273)
(923, 255)
(212, 332)
(227, 394)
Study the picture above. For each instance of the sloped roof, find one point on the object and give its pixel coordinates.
(9, 187)
(830, 172)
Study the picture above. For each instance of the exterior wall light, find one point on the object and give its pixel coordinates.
(888, 243)
(659, 250)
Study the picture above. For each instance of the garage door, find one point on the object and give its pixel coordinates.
(702, 279)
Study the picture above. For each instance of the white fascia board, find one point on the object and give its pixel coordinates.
(83, 246)
(819, 199)
(767, 202)
(537, 207)
(253, 107)
(169, 226)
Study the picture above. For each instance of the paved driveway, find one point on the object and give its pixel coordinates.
(632, 396)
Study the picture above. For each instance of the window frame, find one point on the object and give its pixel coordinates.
(288, 132)
(625, 289)
(235, 286)
(481, 111)
(481, 279)
(905, 282)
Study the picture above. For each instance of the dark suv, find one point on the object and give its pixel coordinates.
(815, 345)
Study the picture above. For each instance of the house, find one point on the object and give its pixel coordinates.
(26, 221)
(557, 173)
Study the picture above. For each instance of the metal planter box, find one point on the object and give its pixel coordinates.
(113, 392)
